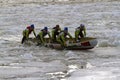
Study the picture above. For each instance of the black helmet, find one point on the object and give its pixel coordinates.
(82, 25)
(66, 29)
(57, 26)
(46, 28)
(32, 26)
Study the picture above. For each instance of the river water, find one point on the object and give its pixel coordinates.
(23, 62)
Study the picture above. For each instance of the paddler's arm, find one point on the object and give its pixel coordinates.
(60, 29)
(27, 34)
(70, 36)
(49, 36)
(84, 32)
(41, 37)
(53, 34)
(34, 33)
(24, 36)
(63, 39)
(76, 34)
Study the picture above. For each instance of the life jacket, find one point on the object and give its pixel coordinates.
(79, 29)
(29, 29)
(56, 29)
(82, 28)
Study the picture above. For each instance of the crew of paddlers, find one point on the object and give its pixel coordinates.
(57, 35)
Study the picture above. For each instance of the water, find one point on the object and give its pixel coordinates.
(21, 62)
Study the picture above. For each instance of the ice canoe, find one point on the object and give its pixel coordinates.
(83, 44)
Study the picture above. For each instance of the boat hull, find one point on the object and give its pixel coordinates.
(83, 44)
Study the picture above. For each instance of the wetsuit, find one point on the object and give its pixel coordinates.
(80, 33)
(41, 36)
(55, 32)
(62, 38)
(26, 33)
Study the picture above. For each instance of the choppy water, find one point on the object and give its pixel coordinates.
(20, 62)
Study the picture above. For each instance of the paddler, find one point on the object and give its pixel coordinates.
(27, 32)
(80, 32)
(42, 34)
(55, 32)
(63, 36)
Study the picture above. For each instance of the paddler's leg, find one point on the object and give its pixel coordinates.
(38, 40)
(24, 37)
(59, 41)
(23, 40)
(78, 40)
(63, 44)
(81, 35)
(54, 40)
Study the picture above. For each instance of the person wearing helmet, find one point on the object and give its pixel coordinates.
(27, 32)
(55, 32)
(62, 37)
(80, 32)
(42, 34)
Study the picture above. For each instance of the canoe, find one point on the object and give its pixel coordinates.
(83, 44)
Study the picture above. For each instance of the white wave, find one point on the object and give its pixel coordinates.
(92, 75)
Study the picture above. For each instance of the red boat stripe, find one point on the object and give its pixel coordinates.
(85, 44)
